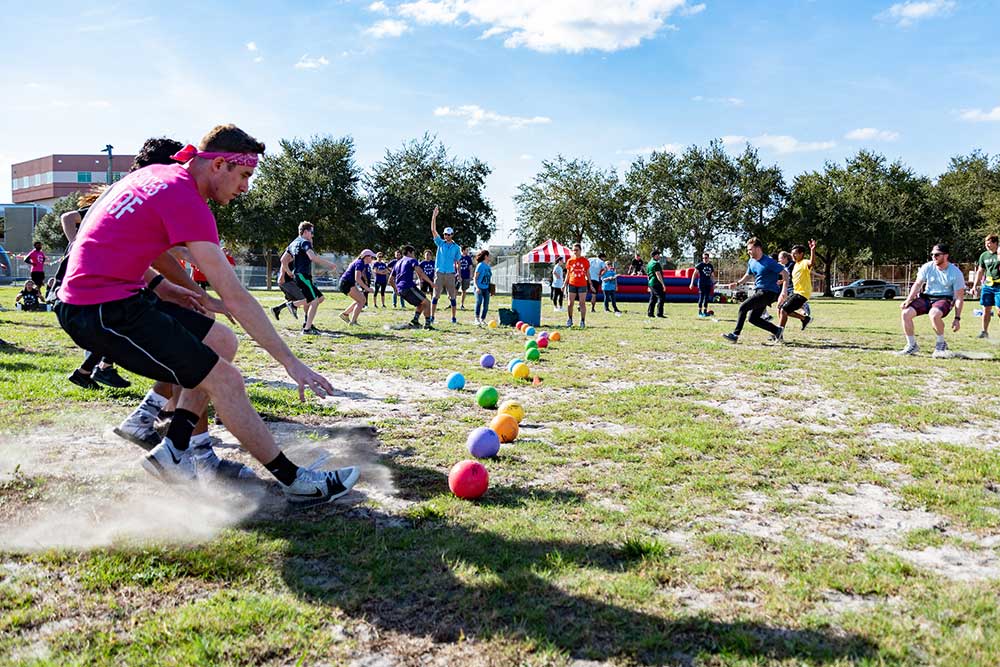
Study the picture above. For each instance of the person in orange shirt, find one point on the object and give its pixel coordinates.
(577, 277)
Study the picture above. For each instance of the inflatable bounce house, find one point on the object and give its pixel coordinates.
(6, 268)
(636, 288)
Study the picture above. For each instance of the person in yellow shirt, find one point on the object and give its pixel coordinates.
(801, 286)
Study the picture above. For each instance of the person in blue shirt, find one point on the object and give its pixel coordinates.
(465, 264)
(770, 279)
(445, 268)
(609, 285)
(484, 276)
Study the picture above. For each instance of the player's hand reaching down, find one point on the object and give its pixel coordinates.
(307, 377)
(182, 296)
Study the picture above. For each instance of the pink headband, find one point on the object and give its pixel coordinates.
(189, 151)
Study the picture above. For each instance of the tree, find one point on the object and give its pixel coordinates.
(316, 180)
(687, 203)
(573, 201)
(762, 192)
(407, 184)
(968, 199)
(49, 229)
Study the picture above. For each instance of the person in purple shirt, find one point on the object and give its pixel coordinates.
(381, 271)
(427, 266)
(408, 273)
(354, 283)
(465, 263)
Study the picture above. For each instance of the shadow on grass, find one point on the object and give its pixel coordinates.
(448, 581)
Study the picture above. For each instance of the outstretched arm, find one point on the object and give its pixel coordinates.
(321, 260)
(434, 226)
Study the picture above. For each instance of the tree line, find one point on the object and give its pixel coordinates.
(867, 209)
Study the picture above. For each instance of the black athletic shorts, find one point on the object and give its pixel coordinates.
(345, 288)
(595, 286)
(158, 340)
(38, 277)
(793, 303)
(413, 296)
(307, 286)
(292, 291)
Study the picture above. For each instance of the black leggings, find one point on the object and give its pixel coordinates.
(611, 299)
(557, 296)
(704, 298)
(755, 306)
(380, 289)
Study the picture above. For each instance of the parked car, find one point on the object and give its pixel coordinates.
(867, 289)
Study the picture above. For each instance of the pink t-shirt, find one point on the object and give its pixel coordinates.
(145, 214)
(37, 260)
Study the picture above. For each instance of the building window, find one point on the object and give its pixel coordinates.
(83, 177)
(36, 180)
(117, 176)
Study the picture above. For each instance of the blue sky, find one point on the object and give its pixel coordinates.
(512, 82)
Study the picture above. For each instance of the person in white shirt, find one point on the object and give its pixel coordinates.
(939, 288)
(558, 282)
(597, 267)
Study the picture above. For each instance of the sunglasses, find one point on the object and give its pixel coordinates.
(937, 254)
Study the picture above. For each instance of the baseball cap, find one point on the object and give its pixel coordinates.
(367, 253)
(449, 231)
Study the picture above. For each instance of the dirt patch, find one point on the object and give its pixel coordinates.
(978, 437)
(872, 516)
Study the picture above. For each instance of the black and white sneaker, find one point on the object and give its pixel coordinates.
(210, 468)
(293, 309)
(139, 428)
(731, 337)
(169, 465)
(276, 311)
(81, 380)
(109, 376)
(315, 487)
(806, 322)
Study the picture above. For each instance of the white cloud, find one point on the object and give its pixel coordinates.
(649, 150)
(980, 116)
(905, 14)
(527, 156)
(387, 28)
(378, 7)
(728, 101)
(871, 134)
(556, 25)
(251, 46)
(779, 143)
(693, 9)
(305, 62)
(475, 115)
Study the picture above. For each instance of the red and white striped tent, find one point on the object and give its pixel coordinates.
(547, 253)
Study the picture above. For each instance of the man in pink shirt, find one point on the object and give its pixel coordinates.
(107, 306)
(36, 258)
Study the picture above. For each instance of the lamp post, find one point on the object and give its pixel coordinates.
(107, 149)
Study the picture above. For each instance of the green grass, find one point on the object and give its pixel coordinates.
(625, 524)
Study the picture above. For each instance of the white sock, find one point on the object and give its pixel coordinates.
(911, 340)
(152, 403)
(940, 339)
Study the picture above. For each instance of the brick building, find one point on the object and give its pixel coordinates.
(46, 179)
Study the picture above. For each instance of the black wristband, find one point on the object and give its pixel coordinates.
(155, 282)
(958, 319)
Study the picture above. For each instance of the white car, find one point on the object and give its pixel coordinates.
(867, 289)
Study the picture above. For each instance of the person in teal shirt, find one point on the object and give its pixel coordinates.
(609, 285)
(484, 276)
(988, 274)
(446, 264)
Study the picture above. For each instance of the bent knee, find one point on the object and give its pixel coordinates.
(224, 376)
(223, 341)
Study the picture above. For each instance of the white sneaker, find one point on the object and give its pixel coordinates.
(169, 465)
(910, 349)
(210, 468)
(140, 428)
(941, 351)
(315, 487)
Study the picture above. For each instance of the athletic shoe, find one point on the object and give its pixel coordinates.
(910, 349)
(806, 322)
(209, 467)
(731, 337)
(110, 377)
(428, 327)
(777, 338)
(276, 311)
(454, 320)
(569, 322)
(982, 334)
(311, 331)
(767, 317)
(662, 316)
(168, 465)
(138, 428)
(583, 325)
(293, 309)
(81, 380)
(941, 350)
(315, 487)
(414, 325)
(345, 317)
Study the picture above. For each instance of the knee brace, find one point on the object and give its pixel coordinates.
(453, 302)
